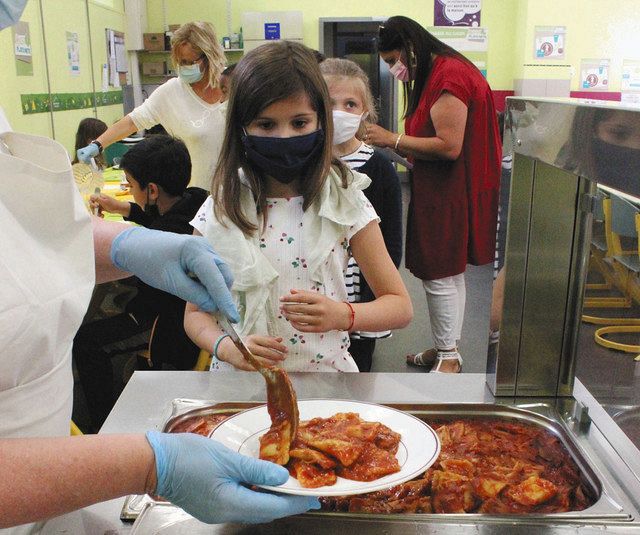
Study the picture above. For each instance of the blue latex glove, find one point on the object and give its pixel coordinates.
(167, 261)
(86, 153)
(203, 477)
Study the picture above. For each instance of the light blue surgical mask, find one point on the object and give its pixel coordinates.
(190, 74)
(10, 12)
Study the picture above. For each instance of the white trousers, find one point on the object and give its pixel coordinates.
(446, 300)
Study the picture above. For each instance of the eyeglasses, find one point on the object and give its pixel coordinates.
(189, 63)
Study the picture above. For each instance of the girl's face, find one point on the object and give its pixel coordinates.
(346, 95)
(619, 128)
(288, 117)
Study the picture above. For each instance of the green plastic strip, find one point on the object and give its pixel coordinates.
(42, 103)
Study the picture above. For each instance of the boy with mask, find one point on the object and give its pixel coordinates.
(158, 170)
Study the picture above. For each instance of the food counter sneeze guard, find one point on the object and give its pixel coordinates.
(566, 154)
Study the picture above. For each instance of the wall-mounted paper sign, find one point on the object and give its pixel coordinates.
(471, 42)
(22, 48)
(456, 12)
(630, 75)
(73, 53)
(549, 42)
(594, 75)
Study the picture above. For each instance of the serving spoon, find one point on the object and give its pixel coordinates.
(282, 404)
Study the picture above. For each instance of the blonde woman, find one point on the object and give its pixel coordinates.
(188, 107)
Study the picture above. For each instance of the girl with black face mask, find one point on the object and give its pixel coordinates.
(284, 214)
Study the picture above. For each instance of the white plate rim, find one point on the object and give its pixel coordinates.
(367, 486)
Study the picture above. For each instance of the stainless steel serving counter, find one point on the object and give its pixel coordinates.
(145, 404)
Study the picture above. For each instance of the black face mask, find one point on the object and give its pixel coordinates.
(617, 166)
(283, 158)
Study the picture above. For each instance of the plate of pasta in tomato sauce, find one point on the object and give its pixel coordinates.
(341, 447)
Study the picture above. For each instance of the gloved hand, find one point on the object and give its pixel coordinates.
(203, 477)
(86, 153)
(166, 260)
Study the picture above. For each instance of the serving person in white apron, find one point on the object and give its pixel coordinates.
(48, 267)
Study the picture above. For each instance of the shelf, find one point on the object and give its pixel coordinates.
(233, 49)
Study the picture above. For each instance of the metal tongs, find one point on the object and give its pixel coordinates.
(281, 402)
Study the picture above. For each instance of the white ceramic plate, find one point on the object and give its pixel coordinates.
(419, 446)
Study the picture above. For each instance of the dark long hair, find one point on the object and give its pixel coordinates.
(270, 73)
(88, 130)
(418, 45)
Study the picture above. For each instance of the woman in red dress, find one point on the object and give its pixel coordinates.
(451, 136)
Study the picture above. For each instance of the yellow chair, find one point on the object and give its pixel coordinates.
(204, 362)
(75, 430)
(603, 249)
(625, 223)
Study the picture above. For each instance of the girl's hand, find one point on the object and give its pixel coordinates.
(378, 136)
(109, 204)
(311, 312)
(268, 349)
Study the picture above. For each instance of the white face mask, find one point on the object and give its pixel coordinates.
(345, 125)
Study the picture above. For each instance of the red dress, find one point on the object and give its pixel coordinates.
(454, 204)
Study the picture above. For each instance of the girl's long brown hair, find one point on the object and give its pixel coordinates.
(270, 73)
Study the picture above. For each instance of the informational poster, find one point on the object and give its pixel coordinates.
(594, 74)
(470, 42)
(550, 42)
(73, 53)
(116, 58)
(630, 75)
(457, 12)
(22, 48)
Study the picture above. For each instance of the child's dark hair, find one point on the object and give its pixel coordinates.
(267, 74)
(88, 130)
(163, 160)
(417, 44)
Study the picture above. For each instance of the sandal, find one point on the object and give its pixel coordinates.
(423, 359)
(447, 355)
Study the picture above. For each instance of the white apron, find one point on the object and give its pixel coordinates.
(46, 279)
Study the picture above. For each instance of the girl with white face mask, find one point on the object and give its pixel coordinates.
(353, 104)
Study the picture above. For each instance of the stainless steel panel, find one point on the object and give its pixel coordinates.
(572, 134)
(502, 361)
(547, 273)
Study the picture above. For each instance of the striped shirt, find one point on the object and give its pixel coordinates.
(355, 160)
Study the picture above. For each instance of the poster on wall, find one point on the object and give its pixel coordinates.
(22, 48)
(630, 75)
(549, 42)
(594, 75)
(457, 12)
(73, 53)
(472, 43)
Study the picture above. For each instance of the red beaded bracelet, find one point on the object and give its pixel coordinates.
(353, 315)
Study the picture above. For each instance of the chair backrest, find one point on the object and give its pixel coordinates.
(623, 217)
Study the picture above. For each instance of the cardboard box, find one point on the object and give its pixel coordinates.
(154, 68)
(153, 41)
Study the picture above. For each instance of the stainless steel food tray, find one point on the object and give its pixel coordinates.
(606, 508)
